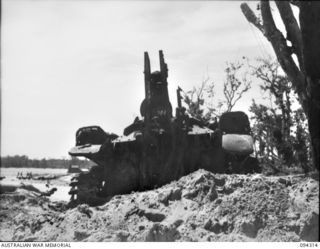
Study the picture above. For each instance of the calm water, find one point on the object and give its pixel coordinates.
(61, 183)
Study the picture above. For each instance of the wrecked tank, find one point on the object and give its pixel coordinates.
(159, 147)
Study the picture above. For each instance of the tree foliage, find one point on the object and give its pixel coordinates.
(304, 37)
(196, 98)
(280, 132)
(235, 85)
(201, 102)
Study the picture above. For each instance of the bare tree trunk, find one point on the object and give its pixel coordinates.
(310, 23)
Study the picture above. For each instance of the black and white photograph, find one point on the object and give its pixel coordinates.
(159, 121)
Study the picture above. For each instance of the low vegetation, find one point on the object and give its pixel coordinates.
(25, 162)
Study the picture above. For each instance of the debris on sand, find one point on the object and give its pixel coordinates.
(48, 192)
(201, 206)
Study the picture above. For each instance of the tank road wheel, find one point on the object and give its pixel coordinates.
(237, 164)
(251, 164)
(86, 186)
(233, 165)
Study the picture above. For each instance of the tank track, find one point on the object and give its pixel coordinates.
(86, 187)
(237, 164)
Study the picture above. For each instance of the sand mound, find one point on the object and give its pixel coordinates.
(199, 207)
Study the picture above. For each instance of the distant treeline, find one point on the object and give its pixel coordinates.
(25, 162)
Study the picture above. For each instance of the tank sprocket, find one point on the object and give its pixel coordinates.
(86, 187)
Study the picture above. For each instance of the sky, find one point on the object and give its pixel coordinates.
(68, 64)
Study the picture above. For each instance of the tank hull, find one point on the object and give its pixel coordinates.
(159, 148)
(143, 161)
